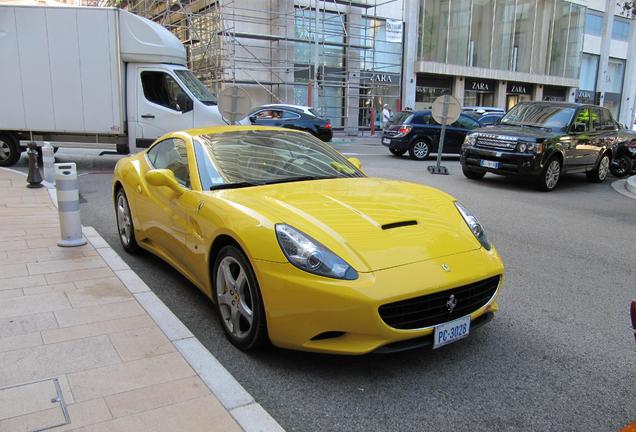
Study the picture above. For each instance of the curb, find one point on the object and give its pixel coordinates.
(631, 184)
(621, 187)
(249, 414)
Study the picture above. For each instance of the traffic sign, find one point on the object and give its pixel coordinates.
(446, 110)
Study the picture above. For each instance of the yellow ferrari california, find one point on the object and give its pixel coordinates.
(297, 246)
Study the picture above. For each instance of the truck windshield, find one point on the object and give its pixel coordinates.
(196, 87)
(539, 115)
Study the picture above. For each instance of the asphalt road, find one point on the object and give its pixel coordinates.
(559, 356)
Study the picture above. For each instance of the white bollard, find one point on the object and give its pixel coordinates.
(68, 205)
(48, 163)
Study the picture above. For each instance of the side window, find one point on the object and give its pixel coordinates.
(421, 119)
(607, 122)
(582, 120)
(595, 116)
(171, 154)
(465, 122)
(265, 115)
(288, 115)
(162, 89)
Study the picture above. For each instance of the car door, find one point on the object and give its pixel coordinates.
(166, 216)
(162, 106)
(456, 133)
(578, 143)
(602, 134)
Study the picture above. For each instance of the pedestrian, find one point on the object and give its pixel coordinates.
(386, 116)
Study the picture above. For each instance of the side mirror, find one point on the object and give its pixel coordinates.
(252, 119)
(355, 162)
(580, 127)
(163, 177)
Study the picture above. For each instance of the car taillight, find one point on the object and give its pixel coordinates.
(328, 126)
(404, 130)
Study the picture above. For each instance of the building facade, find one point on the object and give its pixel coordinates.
(500, 52)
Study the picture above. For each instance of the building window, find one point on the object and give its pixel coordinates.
(593, 23)
(615, 75)
(620, 29)
(589, 72)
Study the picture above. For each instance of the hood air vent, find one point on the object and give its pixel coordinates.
(398, 224)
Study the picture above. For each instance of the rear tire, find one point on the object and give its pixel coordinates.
(420, 150)
(621, 166)
(238, 299)
(550, 175)
(473, 174)
(599, 174)
(9, 150)
(397, 152)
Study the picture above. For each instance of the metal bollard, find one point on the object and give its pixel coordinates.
(68, 205)
(34, 178)
(48, 163)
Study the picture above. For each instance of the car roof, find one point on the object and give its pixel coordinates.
(305, 109)
(210, 130)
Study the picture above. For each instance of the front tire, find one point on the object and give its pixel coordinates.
(238, 299)
(420, 150)
(9, 150)
(473, 174)
(397, 152)
(599, 174)
(550, 175)
(125, 227)
(621, 166)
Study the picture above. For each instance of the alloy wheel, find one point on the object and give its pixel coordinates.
(235, 298)
(123, 220)
(420, 149)
(552, 174)
(603, 168)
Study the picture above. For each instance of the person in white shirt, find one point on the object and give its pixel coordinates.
(386, 116)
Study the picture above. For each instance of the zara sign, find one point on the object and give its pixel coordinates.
(480, 85)
(519, 88)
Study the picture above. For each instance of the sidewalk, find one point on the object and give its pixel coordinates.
(80, 322)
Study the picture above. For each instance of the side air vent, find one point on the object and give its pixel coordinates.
(398, 224)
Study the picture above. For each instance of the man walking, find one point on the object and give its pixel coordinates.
(386, 116)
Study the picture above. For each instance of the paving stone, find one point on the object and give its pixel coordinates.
(97, 328)
(65, 265)
(22, 282)
(27, 340)
(90, 314)
(98, 291)
(73, 276)
(24, 305)
(141, 343)
(20, 325)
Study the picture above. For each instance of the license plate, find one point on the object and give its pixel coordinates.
(489, 164)
(451, 331)
(386, 141)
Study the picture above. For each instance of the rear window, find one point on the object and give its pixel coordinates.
(402, 117)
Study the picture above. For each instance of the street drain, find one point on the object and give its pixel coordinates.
(39, 404)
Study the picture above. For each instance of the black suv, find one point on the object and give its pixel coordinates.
(418, 132)
(543, 140)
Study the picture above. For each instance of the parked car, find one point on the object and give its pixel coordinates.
(292, 117)
(418, 133)
(478, 111)
(624, 161)
(490, 118)
(543, 140)
(297, 246)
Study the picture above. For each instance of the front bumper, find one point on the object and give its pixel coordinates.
(510, 163)
(300, 306)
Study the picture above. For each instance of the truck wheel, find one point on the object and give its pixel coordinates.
(621, 166)
(599, 174)
(473, 174)
(550, 175)
(9, 150)
(420, 150)
(397, 152)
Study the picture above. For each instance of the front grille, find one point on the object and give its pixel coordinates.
(431, 310)
(493, 142)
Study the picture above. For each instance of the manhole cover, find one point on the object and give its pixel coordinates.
(41, 401)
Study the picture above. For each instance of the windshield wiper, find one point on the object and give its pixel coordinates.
(234, 185)
(298, 178)
(538, 127)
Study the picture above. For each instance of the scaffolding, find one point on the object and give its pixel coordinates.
(329, 54)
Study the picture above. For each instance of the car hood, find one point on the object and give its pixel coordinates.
(371, 223)
(524, 132)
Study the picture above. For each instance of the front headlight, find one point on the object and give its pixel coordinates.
(309, 255)
(474, 225)
(470, 140)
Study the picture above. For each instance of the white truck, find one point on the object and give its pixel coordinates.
(93, 78)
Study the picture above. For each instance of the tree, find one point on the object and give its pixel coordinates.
(629, 7)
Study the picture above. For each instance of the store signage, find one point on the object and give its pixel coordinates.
(371, 77)
(518, 88)
(585, 94)
(393, 31)
(376, 77)
(479, 86)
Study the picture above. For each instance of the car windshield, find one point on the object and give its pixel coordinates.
(196, 87)
(539, 115)
(258, 157)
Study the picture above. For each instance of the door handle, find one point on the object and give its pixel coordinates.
(147, 116)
